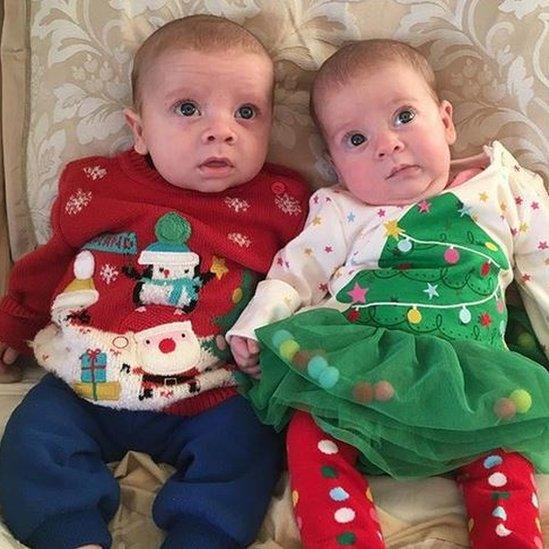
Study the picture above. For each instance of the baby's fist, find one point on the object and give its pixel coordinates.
(8, 372)
(246, 354)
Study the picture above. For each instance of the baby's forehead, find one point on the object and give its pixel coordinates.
(208, 59)
(331, 88)
(213, 61)
(180, 70)
(334, 80)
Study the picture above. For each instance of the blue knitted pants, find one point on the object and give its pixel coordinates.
(57, 492)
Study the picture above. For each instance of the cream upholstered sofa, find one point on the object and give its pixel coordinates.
(65, 69)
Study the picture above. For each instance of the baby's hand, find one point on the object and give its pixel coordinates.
(246, 353)
(8, 373)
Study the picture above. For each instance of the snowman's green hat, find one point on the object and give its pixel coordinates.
(172, 231)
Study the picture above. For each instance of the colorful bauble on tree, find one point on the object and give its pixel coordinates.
(465, 315)
(414, 316)
(404, 245)
(451, 256)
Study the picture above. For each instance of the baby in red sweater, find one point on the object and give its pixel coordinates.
(153, 255)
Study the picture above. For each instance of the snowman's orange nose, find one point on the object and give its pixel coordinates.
(167, 345)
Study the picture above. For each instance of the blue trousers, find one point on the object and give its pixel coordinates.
(57, 492)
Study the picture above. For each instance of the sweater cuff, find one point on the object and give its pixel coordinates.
(17, 326)
(273, 300)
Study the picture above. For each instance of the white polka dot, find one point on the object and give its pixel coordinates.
(344, 515)
(502, 532)
(328, 447)
(535, 501)
(497, 480)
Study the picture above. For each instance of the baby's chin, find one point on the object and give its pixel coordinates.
(417, 195)
(208, 185)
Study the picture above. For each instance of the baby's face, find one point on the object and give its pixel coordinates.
(205, 117)
(387, 136)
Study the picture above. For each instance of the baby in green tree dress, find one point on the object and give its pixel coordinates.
(396, 362)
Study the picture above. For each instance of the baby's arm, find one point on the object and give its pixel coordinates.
(527, 218)
(299, 276)
(25, 308)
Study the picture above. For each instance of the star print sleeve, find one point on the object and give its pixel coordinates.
(301, 271)
(25, 308)
(528, 219)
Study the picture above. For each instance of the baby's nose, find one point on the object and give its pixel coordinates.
(387, 144)
(221, 133)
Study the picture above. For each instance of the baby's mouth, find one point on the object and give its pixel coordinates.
(216, 162)
(402, 169)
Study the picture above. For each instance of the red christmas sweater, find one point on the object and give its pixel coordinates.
(130, 299)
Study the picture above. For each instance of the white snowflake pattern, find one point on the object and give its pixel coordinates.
(237, 204)
(241, 239)
(78, 201)
(288, 204)
(108, 273)
(95, 172)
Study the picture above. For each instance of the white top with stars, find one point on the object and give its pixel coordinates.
(343, 236)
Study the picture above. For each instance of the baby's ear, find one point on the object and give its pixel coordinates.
(446, 114)
(133, 119)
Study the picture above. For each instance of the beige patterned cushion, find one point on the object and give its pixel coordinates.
(489, 57)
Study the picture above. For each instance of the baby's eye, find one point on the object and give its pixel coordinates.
(356, 139)
(187, 108)
(404, 117)
(246, 111)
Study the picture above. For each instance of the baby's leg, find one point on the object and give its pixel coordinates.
(227, 465)
(501, 501)
(332, 500)
(55, 489)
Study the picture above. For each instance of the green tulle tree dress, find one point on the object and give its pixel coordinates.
(415, 373)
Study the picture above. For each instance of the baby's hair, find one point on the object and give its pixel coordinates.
(359, 57)
(204, 33)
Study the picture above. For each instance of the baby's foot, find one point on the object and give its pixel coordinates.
(89, 547)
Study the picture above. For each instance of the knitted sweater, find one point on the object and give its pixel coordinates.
(131, 297)
(439, 267)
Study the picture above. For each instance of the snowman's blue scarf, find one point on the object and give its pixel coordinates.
(190, 285)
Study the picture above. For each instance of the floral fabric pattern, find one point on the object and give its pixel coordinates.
(488, 57)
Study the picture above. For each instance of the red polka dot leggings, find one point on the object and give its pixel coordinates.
(501, 501)
(334, 508)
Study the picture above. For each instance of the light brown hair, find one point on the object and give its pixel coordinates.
(359, 57)
(205, 33)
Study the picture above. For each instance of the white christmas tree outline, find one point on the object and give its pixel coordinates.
(416, 305)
